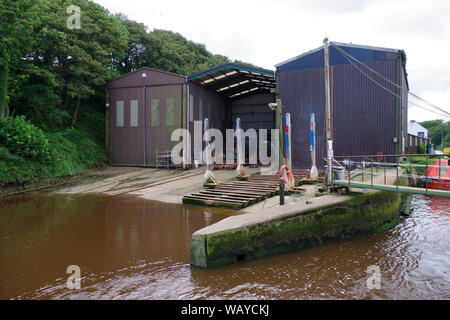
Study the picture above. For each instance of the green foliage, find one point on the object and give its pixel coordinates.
(6, 155)
(70, 151)
(164, 50)
(421, 149)
(437, 129)
(22, 138)
(53, 79)
(16, 26)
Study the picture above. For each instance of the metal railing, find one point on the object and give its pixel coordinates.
(404, 171)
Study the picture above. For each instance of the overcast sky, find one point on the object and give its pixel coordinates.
(266, 32)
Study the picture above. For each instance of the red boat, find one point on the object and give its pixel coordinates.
(438, 180)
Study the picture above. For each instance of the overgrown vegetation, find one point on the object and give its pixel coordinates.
(438, 131)
(52, 81)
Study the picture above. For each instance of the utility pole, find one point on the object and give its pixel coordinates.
(328, 112)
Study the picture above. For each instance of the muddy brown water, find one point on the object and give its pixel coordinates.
(129, 248)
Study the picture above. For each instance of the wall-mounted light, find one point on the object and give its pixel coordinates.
(273, 106)
(144, 75)
(107, 106)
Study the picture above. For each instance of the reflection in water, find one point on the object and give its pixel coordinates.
(129, 248)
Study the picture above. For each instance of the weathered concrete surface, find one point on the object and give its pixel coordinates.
(149, 183)
(118, 176)
(173, 191)
(292, 227)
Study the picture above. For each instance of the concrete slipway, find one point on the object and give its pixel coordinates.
(265, 228)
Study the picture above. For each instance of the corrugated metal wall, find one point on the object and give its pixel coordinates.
(206, 104)
(126, 146)
(134, 141)
(254, 112)
(302, 93)
(163, 115)
(363, 113)
(366, 118)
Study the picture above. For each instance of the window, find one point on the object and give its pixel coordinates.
(421, 134)
(191, 108)
(170, 115)
(119, 114)
(154, 113)
(134, 109)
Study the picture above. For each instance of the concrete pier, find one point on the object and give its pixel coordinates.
(291, 227)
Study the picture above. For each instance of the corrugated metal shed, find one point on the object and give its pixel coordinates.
(366, 118)
(145, 107)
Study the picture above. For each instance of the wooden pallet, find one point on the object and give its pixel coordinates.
(237, 195)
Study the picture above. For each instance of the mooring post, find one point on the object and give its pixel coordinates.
(240, 153)
(291, 180)
(279, 114)
(208, 177)
(313, 174)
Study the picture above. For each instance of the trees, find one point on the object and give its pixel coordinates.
(80, 59)
(48, 69)
(438, 129)
(164, 50)
(57, 64)
(50, 73)
(16, 25)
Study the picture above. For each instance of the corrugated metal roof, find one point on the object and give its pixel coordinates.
(235, 81)
(361, 52)
(365, 117)
(145, 76)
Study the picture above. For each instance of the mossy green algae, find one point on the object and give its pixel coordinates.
(360, 215)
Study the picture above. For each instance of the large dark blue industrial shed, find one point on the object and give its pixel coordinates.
(369, 113)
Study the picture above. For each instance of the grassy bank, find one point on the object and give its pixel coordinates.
(68, 151)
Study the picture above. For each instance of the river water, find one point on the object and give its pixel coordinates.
(129, 248)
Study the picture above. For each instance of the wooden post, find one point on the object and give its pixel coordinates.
(279, 118)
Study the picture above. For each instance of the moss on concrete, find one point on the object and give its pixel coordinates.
(360, 215)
